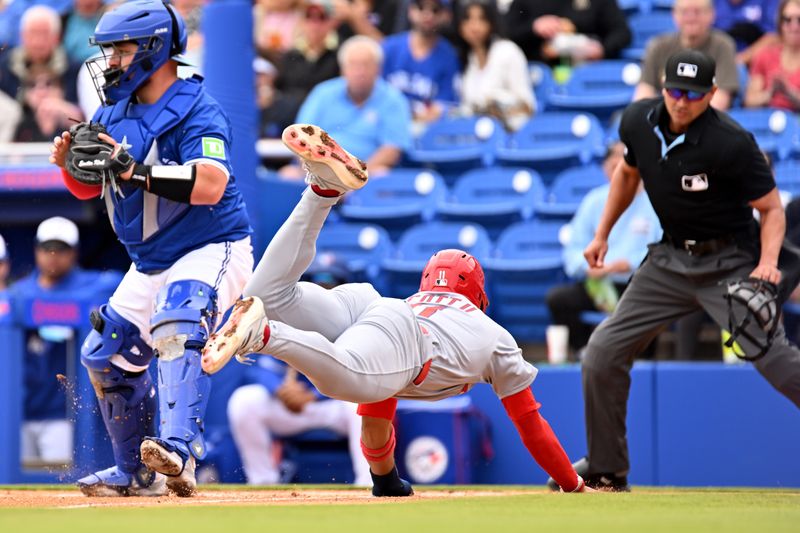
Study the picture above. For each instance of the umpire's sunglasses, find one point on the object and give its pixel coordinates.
(692, 96)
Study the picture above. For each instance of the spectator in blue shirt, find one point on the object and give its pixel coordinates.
(751, 23)
(627, 247)
(421, 63)
(361, 110)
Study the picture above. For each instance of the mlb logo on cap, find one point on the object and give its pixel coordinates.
(687, 70)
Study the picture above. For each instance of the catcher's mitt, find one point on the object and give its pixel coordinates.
(93, 161)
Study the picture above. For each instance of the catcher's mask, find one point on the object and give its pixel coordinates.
(753, 314)
(159, 33)
(455, 271)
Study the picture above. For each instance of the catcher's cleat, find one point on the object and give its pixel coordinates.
(245, 332)
(113, 482)
(179, 472)
(331, 170)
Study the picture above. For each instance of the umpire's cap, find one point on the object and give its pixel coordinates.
(690, 70)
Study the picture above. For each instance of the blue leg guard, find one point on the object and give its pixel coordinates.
(127, 399)
(185, 312)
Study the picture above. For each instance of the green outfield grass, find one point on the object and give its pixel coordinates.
(644, 510)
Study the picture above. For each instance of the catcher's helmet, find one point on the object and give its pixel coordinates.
(753, 314)
(159, 32)
(455, 271)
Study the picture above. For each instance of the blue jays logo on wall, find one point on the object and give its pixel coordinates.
(426, 459)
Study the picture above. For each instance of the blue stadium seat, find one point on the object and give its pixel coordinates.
(775, 130)
(494, 197)
(568, 190)
(744, 77)
(452, 145)
(396, 201)
(418, 244)
(633, 6)
(526, 264)
(645, 26)
(543, 83)
(363, 246)
(661, 5)
(553, 141)
(787, 177)
(601, 88)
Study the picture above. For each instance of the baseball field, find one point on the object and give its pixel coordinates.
(335, 509)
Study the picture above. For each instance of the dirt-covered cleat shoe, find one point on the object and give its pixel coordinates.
(179, 472)
(331, 170)
(601, 482)
(113, 482)
(245, 332)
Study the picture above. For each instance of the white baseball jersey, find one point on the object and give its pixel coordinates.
(356, 346)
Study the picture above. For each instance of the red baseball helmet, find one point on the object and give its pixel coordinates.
(455, 271)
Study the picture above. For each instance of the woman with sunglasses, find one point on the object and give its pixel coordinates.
(494, 77)
(704, 175)
(775, 71)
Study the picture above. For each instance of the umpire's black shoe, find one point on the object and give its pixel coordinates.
(604, 482)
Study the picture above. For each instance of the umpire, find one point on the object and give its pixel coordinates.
(704, 175)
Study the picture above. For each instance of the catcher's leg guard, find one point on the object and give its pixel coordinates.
(185, 312)
(114, 355)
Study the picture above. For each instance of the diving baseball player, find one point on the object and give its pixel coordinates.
(356, 346)
(158, 152)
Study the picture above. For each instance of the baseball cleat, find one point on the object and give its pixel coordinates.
(179, 473)
(245, 332)
(331, 170)
(113, 482)
(601, 482)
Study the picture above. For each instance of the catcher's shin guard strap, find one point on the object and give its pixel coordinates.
(540, 440)
(376, 455)
(383, 409)
(173, 182)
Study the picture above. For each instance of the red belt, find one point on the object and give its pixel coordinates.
(423, 373)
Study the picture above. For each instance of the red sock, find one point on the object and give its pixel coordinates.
(540, 440)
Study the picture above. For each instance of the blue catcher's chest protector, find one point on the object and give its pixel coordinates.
(185, 313)
(155, 231)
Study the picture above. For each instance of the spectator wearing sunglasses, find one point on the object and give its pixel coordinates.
(775, 71)
(694, 20)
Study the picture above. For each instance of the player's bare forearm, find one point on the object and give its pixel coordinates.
(209, 185)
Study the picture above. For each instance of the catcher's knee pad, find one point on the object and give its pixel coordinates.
(114, 339)
(376, 455)
(185, 312)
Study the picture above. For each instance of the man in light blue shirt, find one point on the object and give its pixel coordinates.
(361, 110)
(627, 247)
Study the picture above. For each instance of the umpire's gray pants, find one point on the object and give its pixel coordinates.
(669, 284)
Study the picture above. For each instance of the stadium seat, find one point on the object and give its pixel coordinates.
(568, 190)
(494, 197)
(775, 130)
(553, 141)
(363, 246)
(452, 145)
(645, 26)
(396, 201)
(526, 263)
(601, 88)
(543, 83)
(418, 244)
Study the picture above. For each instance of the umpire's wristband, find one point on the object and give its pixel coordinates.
(173, 182)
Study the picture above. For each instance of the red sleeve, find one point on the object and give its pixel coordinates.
(80, 190)
(539, 439)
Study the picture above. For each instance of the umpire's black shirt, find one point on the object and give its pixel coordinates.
(699, 182)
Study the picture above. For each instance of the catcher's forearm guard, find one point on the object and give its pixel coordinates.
(173, 182)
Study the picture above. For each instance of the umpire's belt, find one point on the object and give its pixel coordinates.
(693, 247)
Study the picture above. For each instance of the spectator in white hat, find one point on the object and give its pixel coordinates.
(56, 250)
